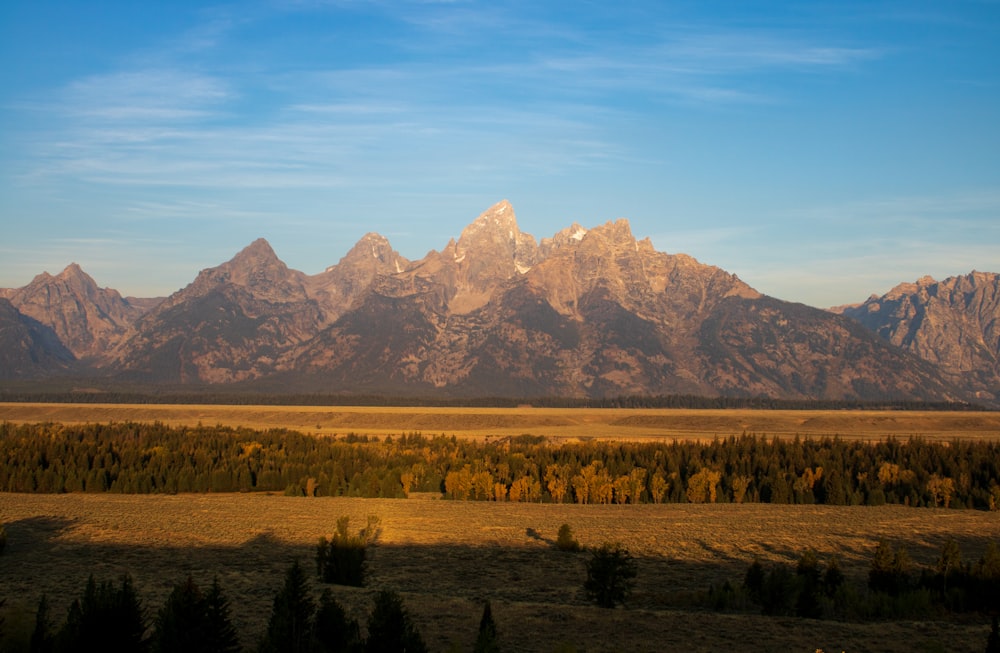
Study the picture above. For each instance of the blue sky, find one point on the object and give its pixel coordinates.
(822, 151)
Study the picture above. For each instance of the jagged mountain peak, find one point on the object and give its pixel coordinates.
(73, 270)
(954, 323)
(256, 253)
(373, 250)
(255, 264)
(86, 318)
(590, 311)
(495, 227)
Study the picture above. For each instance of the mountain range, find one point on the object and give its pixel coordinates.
(586, 313)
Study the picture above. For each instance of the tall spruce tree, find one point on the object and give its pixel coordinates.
(289, 629)
(42, 640)
(220, 636)
(181, 624)
(486, 639)
(390, 629)
(333, 631)
(106, 619)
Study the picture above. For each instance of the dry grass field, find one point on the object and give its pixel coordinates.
(556, 423)
(446, 557)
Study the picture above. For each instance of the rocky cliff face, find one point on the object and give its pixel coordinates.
(88, 320)
(29, 349)
(588, 312)
(230, 324)
(954, 324)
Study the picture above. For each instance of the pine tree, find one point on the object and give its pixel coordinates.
(993, 641)
(105, 619)
(486, 640)
(610, 575)
(290, 625)
(390, 629)
(42, 640)
(333, 632)
(181, 624)
(220, 636)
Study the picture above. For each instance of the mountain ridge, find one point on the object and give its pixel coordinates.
(587, 312)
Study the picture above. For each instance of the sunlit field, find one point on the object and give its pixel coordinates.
(447, 557)
(567, 423)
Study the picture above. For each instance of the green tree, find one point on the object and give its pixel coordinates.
(778, 591)
(611, 573)
(889, 571)
(993, 641)
(486, 639)
(341, 559)
(390, 629)
(565, 540)
(105, 619)
(42, 640)
(181, 623)
(833, 577)
(753, 581)
(807, 571)
(193, 622)
(333, 631)
(949, 562)
(289, 627)
(221, 634)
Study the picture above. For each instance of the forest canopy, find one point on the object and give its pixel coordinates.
(145, 458)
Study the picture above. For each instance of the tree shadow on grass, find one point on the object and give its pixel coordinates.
(536, 591)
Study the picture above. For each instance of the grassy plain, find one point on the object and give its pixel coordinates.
(447, 557)
(556, 423)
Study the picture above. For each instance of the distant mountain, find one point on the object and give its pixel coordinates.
(28, 348)
(954, 324)
(88, 320)
(585, 313)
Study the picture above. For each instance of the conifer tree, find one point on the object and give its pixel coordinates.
(610, 575)
(390, 629)
(42, 640)
(181, 624)
(333, 631)
(221, 635)
(486, 639)
(290, 625)
(105, 619)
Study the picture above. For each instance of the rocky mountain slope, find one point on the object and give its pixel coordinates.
(28, 348)
(954, 324)
(588, 312)
(87, 320)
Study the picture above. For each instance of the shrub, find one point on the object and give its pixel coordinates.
(778, 592)
(565, 540)
(611, 573)
(341, 559)
(753, 581)
(890, 570)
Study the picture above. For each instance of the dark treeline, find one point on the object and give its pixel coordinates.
(896, 588)
(112, 617)
(156, 458)
(216, 397)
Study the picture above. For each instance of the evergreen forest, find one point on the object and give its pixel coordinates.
(156, 458)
